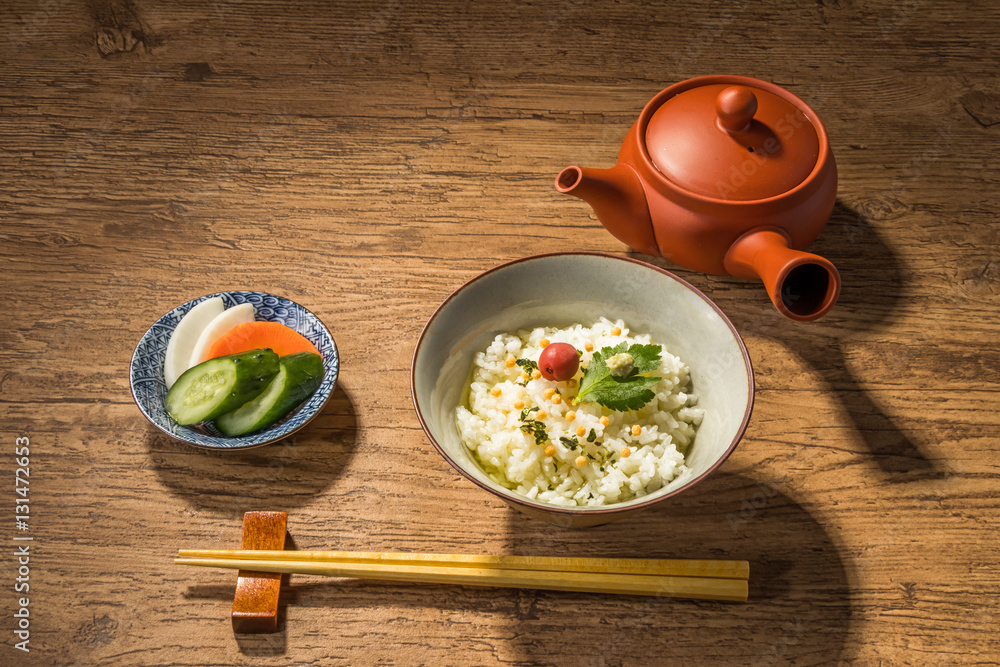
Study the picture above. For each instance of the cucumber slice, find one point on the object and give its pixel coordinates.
(220, 385)
(300, 375)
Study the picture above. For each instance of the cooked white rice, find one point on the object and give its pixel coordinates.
(490, 425)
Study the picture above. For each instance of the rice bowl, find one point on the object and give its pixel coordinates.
(584, 454)
(565, 288)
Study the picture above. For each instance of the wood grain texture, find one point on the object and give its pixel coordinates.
(367, 158)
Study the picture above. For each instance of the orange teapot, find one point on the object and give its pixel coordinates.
(726, 175)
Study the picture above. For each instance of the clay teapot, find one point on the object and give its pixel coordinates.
(726, 175)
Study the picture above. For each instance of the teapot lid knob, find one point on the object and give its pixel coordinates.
(736, 106)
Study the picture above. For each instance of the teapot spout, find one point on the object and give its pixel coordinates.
(802, 286)
(617, 198)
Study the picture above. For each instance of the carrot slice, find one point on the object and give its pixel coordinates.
(258, 335)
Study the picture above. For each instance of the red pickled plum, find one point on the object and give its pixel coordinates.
(559, 362)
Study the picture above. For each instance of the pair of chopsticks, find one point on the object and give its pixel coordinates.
(697, 579)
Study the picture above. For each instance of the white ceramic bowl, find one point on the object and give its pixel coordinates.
(561, 289)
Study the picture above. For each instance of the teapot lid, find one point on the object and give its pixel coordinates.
(732, 142)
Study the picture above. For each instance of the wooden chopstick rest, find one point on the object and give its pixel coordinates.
(255, 605)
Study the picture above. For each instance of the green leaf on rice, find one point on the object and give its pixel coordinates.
(630, 392)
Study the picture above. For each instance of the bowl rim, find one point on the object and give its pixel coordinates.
(234, 440)
(517, 499)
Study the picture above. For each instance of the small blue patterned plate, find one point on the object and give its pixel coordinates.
(149, 388)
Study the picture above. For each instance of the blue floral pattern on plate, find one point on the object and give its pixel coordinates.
(149, 388)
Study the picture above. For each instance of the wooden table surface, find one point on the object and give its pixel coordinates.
(365, 159)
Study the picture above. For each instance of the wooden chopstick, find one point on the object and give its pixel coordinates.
(721, 569)
(430, 570)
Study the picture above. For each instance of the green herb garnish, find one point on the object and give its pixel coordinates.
(592, 435)
(533, 427)
(570, 442)
(628, 392)
(528, 365)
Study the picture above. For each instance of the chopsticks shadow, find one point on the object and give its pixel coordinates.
(287, 473)
(799, 605)
(256, 645)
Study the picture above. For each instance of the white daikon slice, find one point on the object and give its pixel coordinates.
(185, 336)
(222, 323)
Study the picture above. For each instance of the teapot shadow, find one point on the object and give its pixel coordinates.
(868, 303)
(855, 247)
(287, 473)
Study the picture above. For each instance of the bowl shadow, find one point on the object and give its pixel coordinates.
(799, 604)
(287, 473)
